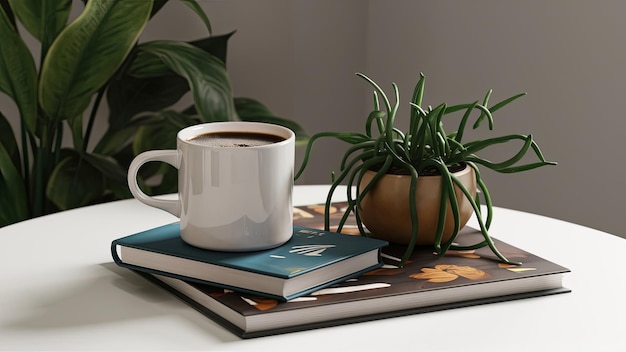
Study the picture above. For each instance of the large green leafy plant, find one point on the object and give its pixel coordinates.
(423, 150)
(98, 60)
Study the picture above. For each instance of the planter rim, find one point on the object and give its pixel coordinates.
(465, 170)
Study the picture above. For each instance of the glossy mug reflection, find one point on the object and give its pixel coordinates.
(235, 184)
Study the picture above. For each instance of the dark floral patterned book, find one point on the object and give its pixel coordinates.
(426, 283)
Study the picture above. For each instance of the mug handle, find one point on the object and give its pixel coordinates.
(172, 157)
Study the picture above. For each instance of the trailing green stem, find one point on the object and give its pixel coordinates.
(425, 147)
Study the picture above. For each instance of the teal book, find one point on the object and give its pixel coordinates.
(311, 260)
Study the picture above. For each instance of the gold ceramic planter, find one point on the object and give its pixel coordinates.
(385, 208)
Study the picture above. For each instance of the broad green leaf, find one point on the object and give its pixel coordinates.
(177, 120)
(74, 183)
(216, 45)
(252, 110)
(108, 166)
(18, 75)
(14, 200)
(44, 19)
(87, 53)
(147, 65)
(129, 94)
(200, 12)
(4, 4)
(162, 134)
(205, 74)
(114, 140)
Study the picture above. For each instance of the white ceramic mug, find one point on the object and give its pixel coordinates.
(230, 198)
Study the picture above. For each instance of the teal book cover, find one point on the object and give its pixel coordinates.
(319, 257)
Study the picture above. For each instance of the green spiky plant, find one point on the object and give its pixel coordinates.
(94, 59)
(423, 149)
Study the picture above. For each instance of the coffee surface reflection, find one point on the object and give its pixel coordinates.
(235, 139)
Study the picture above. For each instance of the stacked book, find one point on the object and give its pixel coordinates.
(321, 278)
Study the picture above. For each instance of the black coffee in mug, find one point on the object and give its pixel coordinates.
(235, 139)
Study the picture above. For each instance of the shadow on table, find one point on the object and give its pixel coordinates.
(108, 299)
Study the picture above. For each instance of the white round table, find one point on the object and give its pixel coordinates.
(60, 290)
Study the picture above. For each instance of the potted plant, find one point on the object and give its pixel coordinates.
(94, 59)
(420, 186)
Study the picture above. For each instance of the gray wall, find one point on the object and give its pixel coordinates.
(299, 58)
(567, 55)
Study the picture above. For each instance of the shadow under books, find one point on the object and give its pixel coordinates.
(94, 301)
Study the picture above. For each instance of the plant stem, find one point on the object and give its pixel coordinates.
(92, 117)
(38, 173)
(44, 158)
(26, 165)
(59, 141)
